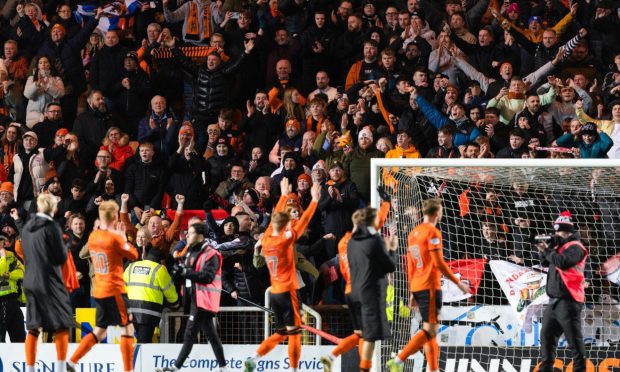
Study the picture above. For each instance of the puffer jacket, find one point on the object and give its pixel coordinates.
(211, 87)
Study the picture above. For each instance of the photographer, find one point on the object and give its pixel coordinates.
(565, 256)
(202, 271)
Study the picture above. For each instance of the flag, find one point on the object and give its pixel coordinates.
(524, 287)
(117, 15)
(470, 271)
(611, 269)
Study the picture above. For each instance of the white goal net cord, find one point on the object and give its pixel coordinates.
(494, 212)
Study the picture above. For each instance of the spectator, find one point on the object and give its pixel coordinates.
(592, 144)
(91, 125)
(155, 126)
(47, 128)
(260, 125)
(197, 21)
(219, 164)
(117, 144)
(186, 169)
(229, 191)
(143, 181)
(43, 86)
(129, 100)
(106, 68)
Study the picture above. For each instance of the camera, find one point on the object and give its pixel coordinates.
(548, 239)
(235, 15)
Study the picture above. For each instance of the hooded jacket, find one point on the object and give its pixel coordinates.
(553, 260)
(49, 305)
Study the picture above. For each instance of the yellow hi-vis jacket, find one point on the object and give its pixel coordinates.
(13, 267)
(148, 285)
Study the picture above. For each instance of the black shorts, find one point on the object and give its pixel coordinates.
(355, 311)
(286, 309)
(429, 304)
(112, 311)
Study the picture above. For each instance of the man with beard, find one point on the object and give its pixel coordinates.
(322, 87)
(46, 129)
(92, 125)
(30, 166)
(260, 125)
(292, 168)
(357, 163)
(291, 138)
(347, 48)
(366, 68)
(230, 190)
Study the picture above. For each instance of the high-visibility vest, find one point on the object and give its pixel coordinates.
(208, 295)
(11, 265)
(148, 284)
(573, 277)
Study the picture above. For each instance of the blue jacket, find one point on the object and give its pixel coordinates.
(465, 131)
(597, 150)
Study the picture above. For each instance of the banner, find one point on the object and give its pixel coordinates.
(524, 287)
(467, 270)
(148, 357)
(117, 15)
(611, 269)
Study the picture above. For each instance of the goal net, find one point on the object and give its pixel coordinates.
(494, 213)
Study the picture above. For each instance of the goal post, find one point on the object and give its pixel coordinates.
(495, 211)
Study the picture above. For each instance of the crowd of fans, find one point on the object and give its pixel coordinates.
(203, 107)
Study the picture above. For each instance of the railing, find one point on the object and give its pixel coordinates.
(239, 325)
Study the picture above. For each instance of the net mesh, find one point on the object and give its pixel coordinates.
(495, 215)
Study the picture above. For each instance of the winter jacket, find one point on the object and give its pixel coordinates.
(49, 305)
(553, 260)
(158, 136)
(596, 150)
(132, 102)
(91, 126)
(465, 131)
(67, 52)
(186, 178)
(357, 168)
(145, 183)
(211, 87)
(39, 98)
(260, 131)
(106, 70)
(338, 213)
(369, 263)
(36, 164)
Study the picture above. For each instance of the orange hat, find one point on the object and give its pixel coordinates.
(187, 129)
(60, 27)
(293, 199)
(62, 132)
(6, 187)
(295, 122)
(306, 177)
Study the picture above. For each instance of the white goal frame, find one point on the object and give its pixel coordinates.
(376, 176)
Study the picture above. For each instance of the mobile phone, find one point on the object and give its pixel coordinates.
(147, 207)
(152, 5)
(235, 15)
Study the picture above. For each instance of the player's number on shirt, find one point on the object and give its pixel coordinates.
(272, 264)
(415, 253)
(100, 263)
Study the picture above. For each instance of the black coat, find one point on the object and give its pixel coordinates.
(211, 87)
(338, 214)
(186, 178)
(260, 131)
(369, 263)
(552, 259)
(145, 184)
(67, 52)
(90, 127)
(48, 302)
(106, 70)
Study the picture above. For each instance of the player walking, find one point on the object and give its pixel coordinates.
(425, 265)
(108, 246)
(279, 253)
(369, 264)
(48, 305)
(356, 337)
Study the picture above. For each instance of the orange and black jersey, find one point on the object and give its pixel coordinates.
(107, 251)
(424, 269)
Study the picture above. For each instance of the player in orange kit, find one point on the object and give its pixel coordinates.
(356, 337)
(108, 246)
(279, 253)
(425, 265)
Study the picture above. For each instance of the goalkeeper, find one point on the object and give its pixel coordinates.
(565, 256)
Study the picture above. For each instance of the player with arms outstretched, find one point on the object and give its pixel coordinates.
(356, 337)
(425, 265)
(108, 247)
(279, 253)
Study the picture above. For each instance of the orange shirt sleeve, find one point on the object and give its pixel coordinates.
(384, 210)
(305, 218)
(129, 227)
(173, 230)
(281, 204)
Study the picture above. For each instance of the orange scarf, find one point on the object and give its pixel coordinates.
(512, 95)
(192, 29)
(309, 122)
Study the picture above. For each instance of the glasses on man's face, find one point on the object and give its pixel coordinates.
(54, 111)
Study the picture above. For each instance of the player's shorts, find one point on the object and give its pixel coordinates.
(355, 310)
(112, 311)
(429, 304)
(286, 309)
